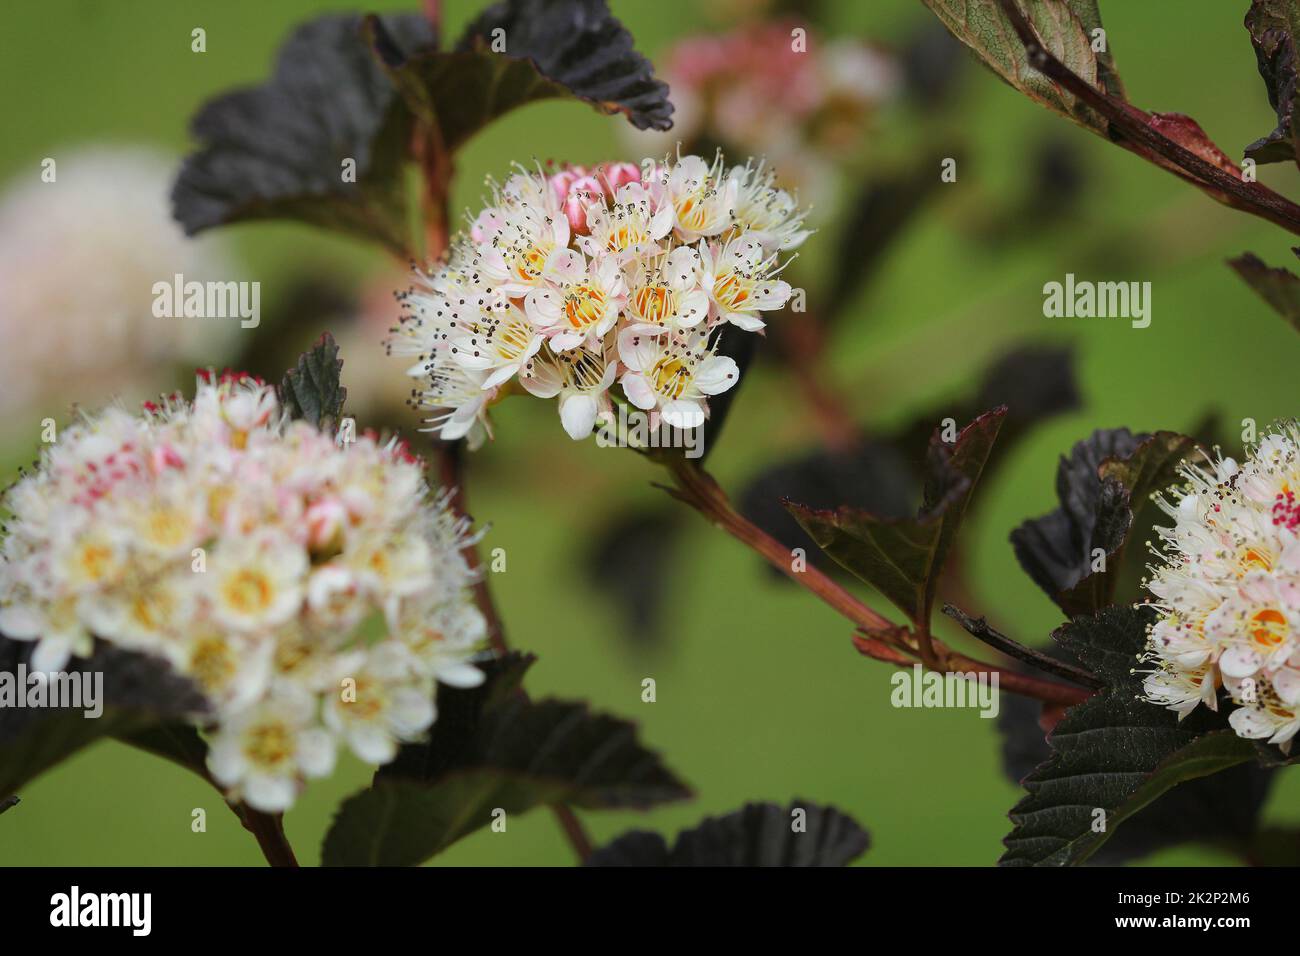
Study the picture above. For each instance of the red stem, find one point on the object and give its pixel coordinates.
(883, 639)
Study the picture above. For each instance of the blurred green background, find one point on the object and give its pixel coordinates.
(760, 693)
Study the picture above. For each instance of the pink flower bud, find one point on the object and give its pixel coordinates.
(619, 174)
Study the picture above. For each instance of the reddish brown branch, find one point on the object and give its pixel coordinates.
(1130, 121)
(879, 638)
(268, 828)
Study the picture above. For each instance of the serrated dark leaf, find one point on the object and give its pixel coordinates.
(1114, 752)
(758, 834)
(1222, 810)
(138, 692)
(494, 749)
(1280, 288)
(581, 46)
(1105, 481)
(276, 151)
(903, 557)
(1273, 26)
(311, 390)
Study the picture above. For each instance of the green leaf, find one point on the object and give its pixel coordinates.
(137, 692)
(1114, 752)
(1280, 288)
(1273, 26)
(571, 49)
(493, 748)
(1102, 485)
(311, 390)
(278, 151)
(758, 834)
(902, 557)
(1064, 27)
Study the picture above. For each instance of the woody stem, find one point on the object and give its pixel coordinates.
(883, 639)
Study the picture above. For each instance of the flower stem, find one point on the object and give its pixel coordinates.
(268, 828)
(881, 638)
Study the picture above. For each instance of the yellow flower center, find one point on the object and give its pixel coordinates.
(248, 591)
(584, 306)
(670, 376)
(269, 745)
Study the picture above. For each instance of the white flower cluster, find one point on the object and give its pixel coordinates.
(105, 218)
(569, 282)
(307, 585)
(1229, 591)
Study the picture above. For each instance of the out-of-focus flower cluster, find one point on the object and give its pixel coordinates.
(309, 585)
(79, 257)
(777, 90)
(569, 282)
(1229, 591)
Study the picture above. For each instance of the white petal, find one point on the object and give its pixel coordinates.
(21, 622)
(316, 752)
(1240, 662)
(578, 415)
(459, 675)
(269, 794)
(683, 414)
(716, 375)
(372, 744)
(638, 390)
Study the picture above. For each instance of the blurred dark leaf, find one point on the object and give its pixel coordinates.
(758, 834)
(932, 60)
(1107, 477)
(1275, 846)
(491, 748)
(902, 557)
(276, 151)
(8, 803)
(1064, 27)
(1221, 810)
(1280, 288)
(311, 390)
(1114, 752)
(629, 563)
(138, 692)
(878, 216)
(879, 474)
(1273, 26)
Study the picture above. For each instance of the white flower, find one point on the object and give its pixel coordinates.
(562, 270)
(1229, 591)
(260, 557)
(257, 584)
(740, 282)
(582, 311)
(376, 707)
(581, 378)
(79, 258)
(702, 197)
(261, 755)
(770, 214)
(672, 375)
